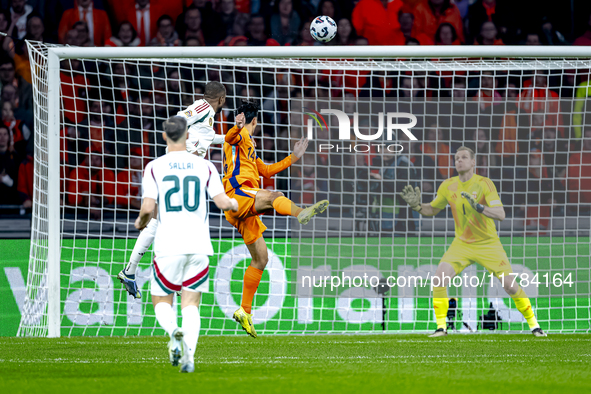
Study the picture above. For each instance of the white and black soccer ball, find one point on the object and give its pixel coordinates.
(323, 29)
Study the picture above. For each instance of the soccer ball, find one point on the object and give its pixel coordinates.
(323, 28)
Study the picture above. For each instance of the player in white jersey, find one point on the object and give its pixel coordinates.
(175, 184)
(199, 117)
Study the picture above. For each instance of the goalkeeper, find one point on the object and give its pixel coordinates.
(475, 205)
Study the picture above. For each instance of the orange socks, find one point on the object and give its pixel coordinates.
(252, 278)
(285, 206)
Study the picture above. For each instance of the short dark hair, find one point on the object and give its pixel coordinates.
(250, 109)
(175, 127)
(214, 90)
(164, 18)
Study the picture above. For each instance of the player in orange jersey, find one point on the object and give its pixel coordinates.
(242, 171)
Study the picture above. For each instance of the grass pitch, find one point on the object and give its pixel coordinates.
(305, 364)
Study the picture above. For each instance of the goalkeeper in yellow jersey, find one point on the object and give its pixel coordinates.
(475, 205)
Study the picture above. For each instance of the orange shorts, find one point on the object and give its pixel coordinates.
(246, 220)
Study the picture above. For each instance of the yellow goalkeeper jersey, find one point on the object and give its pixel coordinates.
(471, 226)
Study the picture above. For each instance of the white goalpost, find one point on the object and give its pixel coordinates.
(523, 110)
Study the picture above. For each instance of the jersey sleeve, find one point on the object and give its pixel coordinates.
(149, 186)
(234, 136)
(268, 170)
(440, 201)
(214, 184)
(490, 193)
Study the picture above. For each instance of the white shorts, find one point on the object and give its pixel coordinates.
(188, 272)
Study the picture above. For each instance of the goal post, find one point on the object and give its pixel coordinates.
(75, 255)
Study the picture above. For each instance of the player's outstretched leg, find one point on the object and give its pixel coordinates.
(285, 206)
(127, 275)
(307, 214)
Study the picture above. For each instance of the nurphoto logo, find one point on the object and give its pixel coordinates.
(345, 130)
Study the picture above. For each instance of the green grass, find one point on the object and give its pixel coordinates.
(305, 364)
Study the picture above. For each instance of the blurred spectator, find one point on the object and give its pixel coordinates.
(488, 93)
(91, 185)
(126, 37)
(500, 12)
(144, 16)
(537, 203)
(8, 77)
(579, 174)
(5, 21)
(97, 21)
(256, 32)
(345, 33)
(328, 8)
(193, 25)
(210, 22)
(377, 21)
(407, 30)
(305, 38)
(285, 23)
(537, 97)
(35, 28)
(410, 87)
(227, 11)
(71, 38)
(582, 107)
(435, 147)
(585, 39)
(397, 172)
(129, 181)
(486, 160)
(19, 11)
(550, 35)
(8, 168)
(533, 39)
(96, 132)
(26, 177)
(488, 35)
(73, 86)
(19, 132)
(432, 13)
(82, 34)
(9, 94)
(446, 35)
(166, 36)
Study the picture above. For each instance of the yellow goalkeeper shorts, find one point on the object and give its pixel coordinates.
(490, 255)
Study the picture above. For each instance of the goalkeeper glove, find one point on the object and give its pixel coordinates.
(412, 197)
(472, 201)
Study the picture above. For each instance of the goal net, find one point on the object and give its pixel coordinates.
(378, 119)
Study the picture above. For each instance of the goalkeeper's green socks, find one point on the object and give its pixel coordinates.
(524, 306)
(441, 305)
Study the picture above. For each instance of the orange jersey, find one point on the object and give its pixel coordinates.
(241, 164)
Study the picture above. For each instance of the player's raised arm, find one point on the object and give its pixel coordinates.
(233, 136)
(413, 198)
(268, 170)
(495, 210)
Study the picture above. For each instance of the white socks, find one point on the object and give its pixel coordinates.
(142, 244)
(191, 327)
(166, 317)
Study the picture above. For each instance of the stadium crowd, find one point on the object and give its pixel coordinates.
(530, 145)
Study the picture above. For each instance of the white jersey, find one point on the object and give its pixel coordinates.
(177, 181)
(200, 118)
